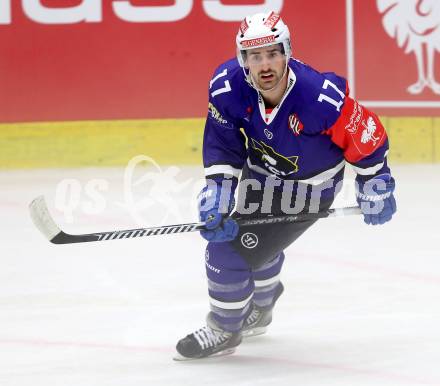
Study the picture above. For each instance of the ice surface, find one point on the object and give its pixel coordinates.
(361, 306)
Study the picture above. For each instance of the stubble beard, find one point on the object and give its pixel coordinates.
(265, 86)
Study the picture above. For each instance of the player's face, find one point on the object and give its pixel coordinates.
(266, 65)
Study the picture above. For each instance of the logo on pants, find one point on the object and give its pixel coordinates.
(249, 240)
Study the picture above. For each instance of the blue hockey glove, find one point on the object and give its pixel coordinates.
(214, 207)
(375, 198)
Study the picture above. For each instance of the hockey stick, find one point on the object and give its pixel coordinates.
(44, 222)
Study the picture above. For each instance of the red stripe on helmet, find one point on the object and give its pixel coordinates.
(272, 20)
(244, 26)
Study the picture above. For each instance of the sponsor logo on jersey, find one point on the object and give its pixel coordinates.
(355, 118)
(295, 124)
(249, 240)
(272, 20)
(268, 133)
(215, 114)
(274, 162)
(258, 41)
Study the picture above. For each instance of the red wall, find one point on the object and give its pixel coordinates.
(115, 69)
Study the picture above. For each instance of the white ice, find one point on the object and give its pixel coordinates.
(361, 306)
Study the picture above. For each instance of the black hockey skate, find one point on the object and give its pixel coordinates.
(260, 317)
(208, 341)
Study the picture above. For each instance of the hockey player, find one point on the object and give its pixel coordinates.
(289, 130)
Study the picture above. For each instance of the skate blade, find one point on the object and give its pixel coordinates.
(181, 358)
(254, 332)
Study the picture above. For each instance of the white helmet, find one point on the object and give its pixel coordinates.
(261, 30)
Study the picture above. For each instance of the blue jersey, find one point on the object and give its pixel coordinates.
(308, 137)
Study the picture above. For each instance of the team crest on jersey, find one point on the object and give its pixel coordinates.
(295, 124)
(274, 162)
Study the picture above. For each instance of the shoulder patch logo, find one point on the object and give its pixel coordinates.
(368, 132)
(295, 124)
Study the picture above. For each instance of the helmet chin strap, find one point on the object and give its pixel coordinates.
(253, 83)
